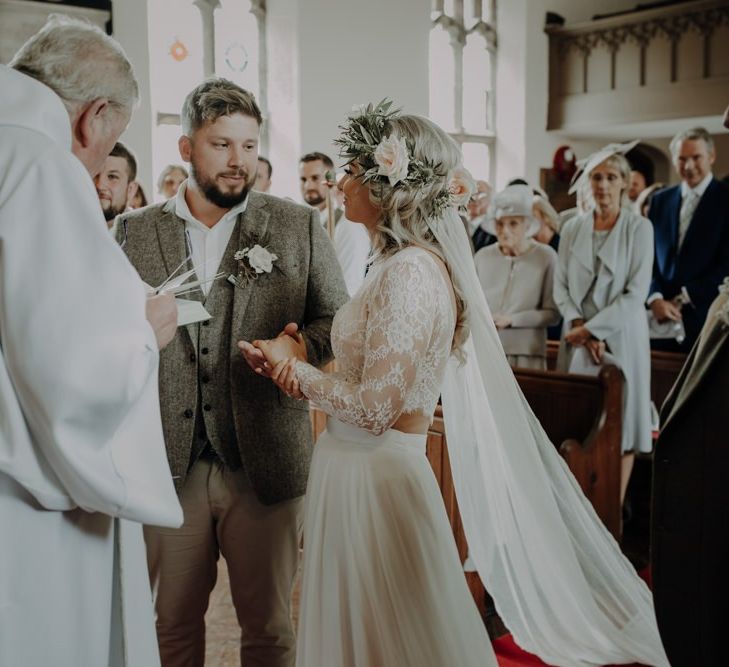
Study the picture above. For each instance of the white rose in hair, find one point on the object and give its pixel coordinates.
(461, 186)
(393, 160)
(260, 259)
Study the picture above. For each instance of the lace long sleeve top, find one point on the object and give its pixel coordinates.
(391, 341)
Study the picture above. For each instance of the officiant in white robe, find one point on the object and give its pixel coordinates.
(82, 458)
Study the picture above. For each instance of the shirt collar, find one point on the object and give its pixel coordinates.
(699, 189)
(178, 205)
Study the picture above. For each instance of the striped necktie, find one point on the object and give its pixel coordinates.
(688, 206)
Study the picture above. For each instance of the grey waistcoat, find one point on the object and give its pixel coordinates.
(249, 420)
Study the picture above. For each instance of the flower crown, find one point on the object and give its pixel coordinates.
(390, 159)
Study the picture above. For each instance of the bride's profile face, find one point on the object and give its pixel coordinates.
(357, 204)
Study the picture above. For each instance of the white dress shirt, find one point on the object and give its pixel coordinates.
(699, 189)
(206, 244)
(352, 245)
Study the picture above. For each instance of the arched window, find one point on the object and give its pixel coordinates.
(207, 37)
(462, 51)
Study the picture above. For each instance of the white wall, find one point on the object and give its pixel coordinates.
(129, 25)
(523, 144)
(334, 55)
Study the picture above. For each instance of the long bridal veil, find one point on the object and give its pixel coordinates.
(558, 578)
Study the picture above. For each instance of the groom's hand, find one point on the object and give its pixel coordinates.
(255, 358)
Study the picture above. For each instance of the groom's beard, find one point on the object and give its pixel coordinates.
(110, 210)
(214, 194)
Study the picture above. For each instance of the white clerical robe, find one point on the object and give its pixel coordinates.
(82, 457)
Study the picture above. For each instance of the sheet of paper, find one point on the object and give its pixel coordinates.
(189, 312)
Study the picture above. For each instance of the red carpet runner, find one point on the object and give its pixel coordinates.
(509, 654)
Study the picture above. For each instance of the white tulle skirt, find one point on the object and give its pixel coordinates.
(382, 581)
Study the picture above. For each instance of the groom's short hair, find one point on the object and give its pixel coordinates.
(214, 98)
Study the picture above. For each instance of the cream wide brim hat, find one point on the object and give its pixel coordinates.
(586, 165)
(513, 201)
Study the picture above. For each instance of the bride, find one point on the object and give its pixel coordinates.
(382, 581)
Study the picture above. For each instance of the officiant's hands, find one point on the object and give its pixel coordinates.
(161, 313)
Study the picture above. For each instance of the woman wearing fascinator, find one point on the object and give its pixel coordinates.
(382, 580)
(602, 279)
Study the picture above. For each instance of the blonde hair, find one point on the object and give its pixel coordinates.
(619, 162)
(405, 209)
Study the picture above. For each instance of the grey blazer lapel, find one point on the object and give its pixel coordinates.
(694, 370)
(252, 229)
(173, 244)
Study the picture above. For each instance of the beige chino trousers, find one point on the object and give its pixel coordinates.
(260, 544)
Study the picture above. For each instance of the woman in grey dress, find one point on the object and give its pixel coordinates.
(601, 283)
(516, 275)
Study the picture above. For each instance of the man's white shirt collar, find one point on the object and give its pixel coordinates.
(324, 215)
(178, 204)
(206, 244)
(699, 189)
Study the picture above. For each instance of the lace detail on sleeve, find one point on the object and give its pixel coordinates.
(400, 340)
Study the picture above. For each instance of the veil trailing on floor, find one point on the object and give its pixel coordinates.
(558, 578)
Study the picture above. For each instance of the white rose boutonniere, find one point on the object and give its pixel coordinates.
(461, 186)
(251, 263)
(392, 158)
(260, 259)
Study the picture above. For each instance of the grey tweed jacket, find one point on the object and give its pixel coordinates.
(203, 377)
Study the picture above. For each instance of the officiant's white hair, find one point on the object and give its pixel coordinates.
(80, 63)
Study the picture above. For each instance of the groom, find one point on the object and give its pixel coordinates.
(238, 448)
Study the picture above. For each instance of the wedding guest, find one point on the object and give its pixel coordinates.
(139, 200)
(170, 180)
(549, 222)
(602, 277)
(115, 184)
(691, 222)
(351, 241)
(477, 208)
(642, 204)
(238, 449)
(516, 275)
(82, 460)
(264, 172)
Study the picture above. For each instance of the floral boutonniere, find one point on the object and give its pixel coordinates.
(252, 262)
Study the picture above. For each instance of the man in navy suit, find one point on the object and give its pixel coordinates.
(690, 502)
(691, 230)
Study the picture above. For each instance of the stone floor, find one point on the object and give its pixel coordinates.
(222, 636)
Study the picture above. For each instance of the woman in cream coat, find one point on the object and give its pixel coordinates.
(516, 274)
(601, 283)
